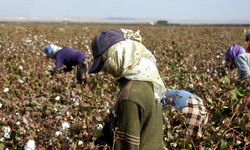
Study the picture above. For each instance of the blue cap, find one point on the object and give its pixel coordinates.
(101, 43)
(46, 50)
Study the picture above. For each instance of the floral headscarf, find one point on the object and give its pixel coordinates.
(132, 60)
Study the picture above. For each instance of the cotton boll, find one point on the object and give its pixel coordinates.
(65, 125)
(191, 86)
(195, 68)
(25, 121)
(49, 67)
(6, 135)
(80, 143)
(21, 81)
(238, 142)
(99, 127)
(55, 109)
(77, 103)
(6, 90)
(57, 98)
(58, 133)
(28, 41)
(30, 145)
(6, 131)
(106, 104)
(68, 138)
(18, 123)
(223, 62)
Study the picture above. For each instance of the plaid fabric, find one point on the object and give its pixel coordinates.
(81, 71)
(196, 117)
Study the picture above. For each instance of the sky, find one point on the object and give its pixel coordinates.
(163, 9)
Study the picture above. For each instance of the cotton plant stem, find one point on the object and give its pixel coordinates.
(231, 121)
(2, 99)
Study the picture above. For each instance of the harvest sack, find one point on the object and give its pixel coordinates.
(81, 72)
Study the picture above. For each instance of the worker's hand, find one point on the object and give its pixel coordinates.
(61, 71)
(51, 72)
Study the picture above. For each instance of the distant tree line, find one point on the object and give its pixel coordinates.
(162, 22)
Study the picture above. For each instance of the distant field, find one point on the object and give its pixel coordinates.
(188, 57)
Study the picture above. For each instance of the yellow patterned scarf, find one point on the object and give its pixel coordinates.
(132, 60)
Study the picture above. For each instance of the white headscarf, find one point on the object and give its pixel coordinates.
(53, 50)
(132, 60)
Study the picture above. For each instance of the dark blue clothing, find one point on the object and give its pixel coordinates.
(179, 97)
(69, 57)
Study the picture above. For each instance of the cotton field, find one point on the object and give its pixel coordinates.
(41, 111)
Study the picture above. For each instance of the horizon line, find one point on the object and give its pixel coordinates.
(10, 18)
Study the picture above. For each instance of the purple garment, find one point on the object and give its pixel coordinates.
(233, 51)
(69, 57)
